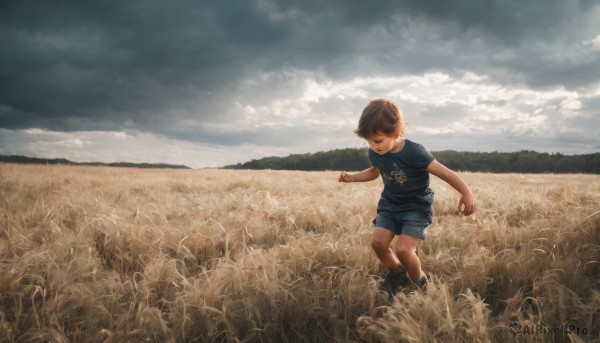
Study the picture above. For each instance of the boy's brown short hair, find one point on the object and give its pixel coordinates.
(381, 116)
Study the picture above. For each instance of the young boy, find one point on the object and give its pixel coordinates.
(404, 209)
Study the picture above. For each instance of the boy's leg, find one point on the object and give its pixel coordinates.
(396, 276)
(405, 250)
(380, 242)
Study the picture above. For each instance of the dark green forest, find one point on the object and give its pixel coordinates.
(353, 159)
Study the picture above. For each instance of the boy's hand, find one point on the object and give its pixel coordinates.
(344, 177)
(466, 205)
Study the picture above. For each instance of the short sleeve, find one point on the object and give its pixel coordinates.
(421, 157)
(372, 158)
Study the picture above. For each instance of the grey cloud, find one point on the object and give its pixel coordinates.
(284, 136)
(511, 22)
(592, 105)
(440, 115)
(138, 61)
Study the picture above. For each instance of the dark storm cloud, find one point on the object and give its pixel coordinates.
(122, 62)
(146, 65)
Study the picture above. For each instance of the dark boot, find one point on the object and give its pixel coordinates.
(394, 281)
(421, 284)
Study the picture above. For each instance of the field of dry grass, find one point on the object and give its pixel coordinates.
(93, 254)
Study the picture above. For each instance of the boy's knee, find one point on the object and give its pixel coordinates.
(379, 243)
(404, 250)
(406, 246)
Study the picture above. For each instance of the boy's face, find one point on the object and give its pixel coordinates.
(382, 144)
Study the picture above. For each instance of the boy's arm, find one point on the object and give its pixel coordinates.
(368, 174)
(466, 205)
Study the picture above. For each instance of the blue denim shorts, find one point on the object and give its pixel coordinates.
(411, 223)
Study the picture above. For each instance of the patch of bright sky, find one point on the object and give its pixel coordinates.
(130, 146)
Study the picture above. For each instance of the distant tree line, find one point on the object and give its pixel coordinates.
(339, 159)
(493, 162)
(35, 160)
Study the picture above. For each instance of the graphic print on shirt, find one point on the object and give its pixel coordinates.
(397, 175)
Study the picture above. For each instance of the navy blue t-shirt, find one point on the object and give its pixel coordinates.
(405, 178)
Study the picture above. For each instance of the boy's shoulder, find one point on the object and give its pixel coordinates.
(412, 144)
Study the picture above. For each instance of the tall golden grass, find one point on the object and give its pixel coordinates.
(95, 254)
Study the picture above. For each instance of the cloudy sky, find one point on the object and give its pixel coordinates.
(210, 83)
